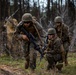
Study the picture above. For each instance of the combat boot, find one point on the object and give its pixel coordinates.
(26, 64)
(59, 67)
(66, 62)
(48, 67)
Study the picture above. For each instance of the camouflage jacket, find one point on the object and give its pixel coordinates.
(64, 33)
(32, 30)
(55, 47)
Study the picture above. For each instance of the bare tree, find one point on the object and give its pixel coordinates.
(28, 5)
(0, 10)
(71, 10)
(20, 6)
(15, 8)
(48, 10)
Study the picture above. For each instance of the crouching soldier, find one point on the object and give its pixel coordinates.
(54, 51)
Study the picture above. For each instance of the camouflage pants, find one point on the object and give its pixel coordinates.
(30, 55)
(66, 48)
(52, 60)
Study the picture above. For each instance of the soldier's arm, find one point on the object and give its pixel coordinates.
(68, 34)
(20, 36)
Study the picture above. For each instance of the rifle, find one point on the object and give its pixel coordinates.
(46, 49)
(14, 13)
(7, 19)
(31, 38)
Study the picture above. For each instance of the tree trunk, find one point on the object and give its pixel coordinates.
(0, 10)
(28, 6)
(20, 6)
(48, 11)
(7, 8)
(23, 6)
(71, 11)
(15, 8)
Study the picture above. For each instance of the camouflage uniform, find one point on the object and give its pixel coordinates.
(63, 34)
(54, 51)
(29, 51)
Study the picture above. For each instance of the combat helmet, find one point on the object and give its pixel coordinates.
(58, 19)
(51, 31)
(27, 17)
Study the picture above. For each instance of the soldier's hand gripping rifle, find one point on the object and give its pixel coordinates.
(31, 39)
(46, 48)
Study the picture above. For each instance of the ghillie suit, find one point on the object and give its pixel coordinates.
(14, 47)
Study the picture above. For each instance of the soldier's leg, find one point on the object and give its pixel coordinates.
(58, 58)
(33, 56)
(66, 48)
(27, 62)
(26, 55)
(59, 66)
(66, 56)
(51, 63)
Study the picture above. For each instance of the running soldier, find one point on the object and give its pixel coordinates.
(35, 29)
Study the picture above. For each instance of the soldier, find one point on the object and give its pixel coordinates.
(54, 50)
(63, 33)
(34, 28)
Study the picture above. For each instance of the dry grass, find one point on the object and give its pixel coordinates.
(41, 66)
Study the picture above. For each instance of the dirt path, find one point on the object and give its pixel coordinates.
(8, 70)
